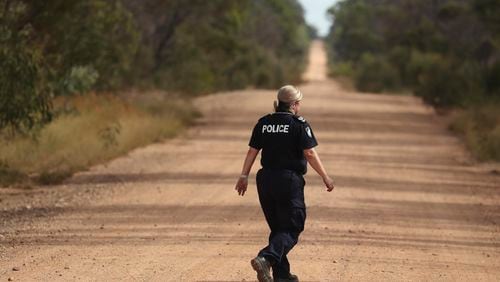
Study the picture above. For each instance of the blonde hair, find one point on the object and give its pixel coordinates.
(286, 96)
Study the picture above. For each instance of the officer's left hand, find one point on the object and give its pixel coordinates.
(328, 183)
(241, 186)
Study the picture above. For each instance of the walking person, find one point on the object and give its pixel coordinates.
(287, 143)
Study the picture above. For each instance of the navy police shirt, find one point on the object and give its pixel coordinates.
(282, 137)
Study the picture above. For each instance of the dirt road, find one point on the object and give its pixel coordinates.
(409, 204)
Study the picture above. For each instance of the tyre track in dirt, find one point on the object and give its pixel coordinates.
(409, 203)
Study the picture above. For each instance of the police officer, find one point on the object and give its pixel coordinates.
(287, 142)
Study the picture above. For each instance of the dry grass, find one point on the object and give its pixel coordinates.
(91, 129)
(480, 128)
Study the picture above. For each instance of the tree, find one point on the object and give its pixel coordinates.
(48, 47)
(25, 97)
(446, 51)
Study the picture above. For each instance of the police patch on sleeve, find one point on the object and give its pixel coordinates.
(308, 131)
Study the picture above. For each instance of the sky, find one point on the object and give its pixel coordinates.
(316, 14)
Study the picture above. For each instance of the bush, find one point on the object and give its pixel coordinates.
(399, 57)
(99, 35)
(341, 69)
(25, 97)
(59, 47)
(446, 53)
(79, 80)
(199, 47)
(375, 74)
(493, 80)
(53, 178)
(9, 176)
(480, 127)
(436, 79)
(100, 128)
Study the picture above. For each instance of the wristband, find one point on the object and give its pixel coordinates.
(244, 176)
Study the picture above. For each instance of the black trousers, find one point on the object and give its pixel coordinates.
(281, 196)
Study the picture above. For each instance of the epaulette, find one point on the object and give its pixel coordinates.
(299, 118)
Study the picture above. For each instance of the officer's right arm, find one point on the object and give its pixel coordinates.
(242, 183)
(255, 145)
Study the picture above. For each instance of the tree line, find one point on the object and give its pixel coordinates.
(446, 51)
(58, 48)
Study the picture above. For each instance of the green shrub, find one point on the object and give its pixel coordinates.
(58, 47)
(399, 57)
(436, 79)
(80, 79)
(451, 10)
(25, 96)
(493, 80)
(375, 74)
(447, 53)
(480, 128)
(192, 77)
(99, 35)
(341, 69)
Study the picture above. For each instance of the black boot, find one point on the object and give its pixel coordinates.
(290, 278)
(263, 269)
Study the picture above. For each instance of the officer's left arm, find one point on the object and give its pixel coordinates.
(315, 162)
(242, 184)
(307, 141)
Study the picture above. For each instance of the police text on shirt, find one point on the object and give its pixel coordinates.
(275, 128)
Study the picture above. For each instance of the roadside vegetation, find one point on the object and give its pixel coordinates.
(88, 130)
(65, 66)
(445, 51)
(480, 127)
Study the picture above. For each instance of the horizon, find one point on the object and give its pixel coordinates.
(315, 14)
